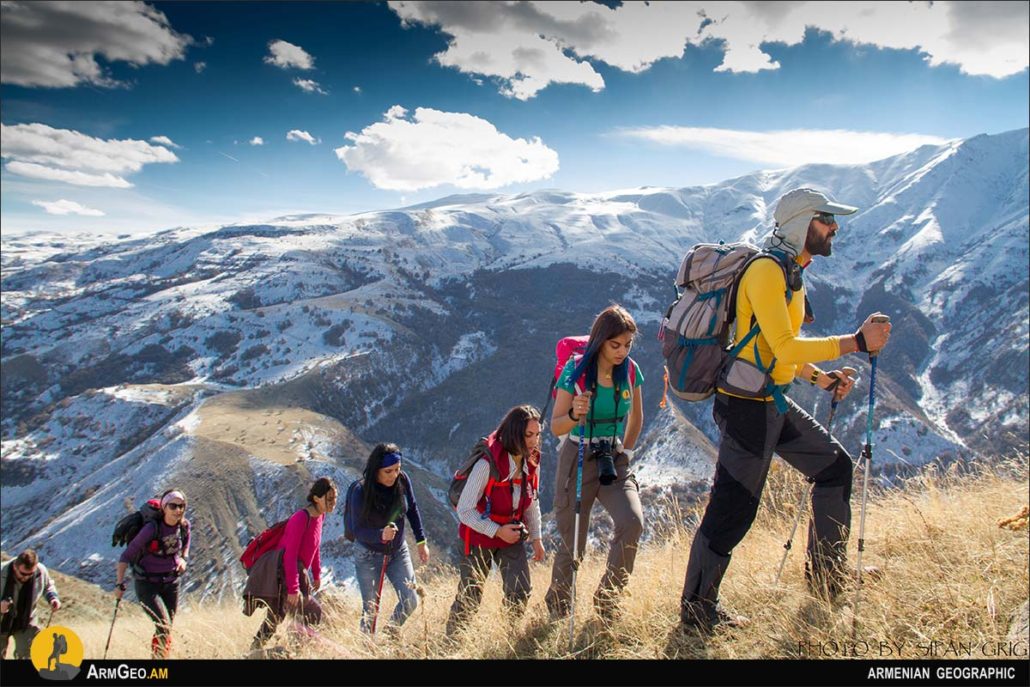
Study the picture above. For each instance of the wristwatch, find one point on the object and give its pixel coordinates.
(120, 585)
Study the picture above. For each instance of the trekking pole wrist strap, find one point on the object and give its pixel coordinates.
(860, 342)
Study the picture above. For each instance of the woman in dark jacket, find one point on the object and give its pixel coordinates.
(378, 504)
(158, 555)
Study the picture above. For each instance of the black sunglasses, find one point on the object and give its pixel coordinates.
(177, 506)
(826, 218)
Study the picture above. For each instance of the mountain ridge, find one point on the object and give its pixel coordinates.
(422, 325)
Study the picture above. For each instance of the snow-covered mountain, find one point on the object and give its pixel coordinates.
(242, 361)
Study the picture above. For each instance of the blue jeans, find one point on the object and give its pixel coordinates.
(368, 565)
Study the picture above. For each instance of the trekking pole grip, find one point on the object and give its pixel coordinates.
(879, 319)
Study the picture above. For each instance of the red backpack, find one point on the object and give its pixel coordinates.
(266, 541)
(263, 543)
(565, 348)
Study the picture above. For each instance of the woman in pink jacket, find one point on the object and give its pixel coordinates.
(301, 544)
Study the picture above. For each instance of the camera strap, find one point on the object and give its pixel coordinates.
(615, 425)
(615, 420)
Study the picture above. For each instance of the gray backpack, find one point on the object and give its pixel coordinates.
(697, 331)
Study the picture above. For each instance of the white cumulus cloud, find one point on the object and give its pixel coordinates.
(300, 135)
(786, 148)
(67, 207)
(257, 141)
(56, 44)
(34, 171)
(164, 141)
(433, 148)
(527, 46)
(43, 152)
(287, 55)
(309, 85)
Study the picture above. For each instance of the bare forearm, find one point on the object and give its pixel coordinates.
(563, 424)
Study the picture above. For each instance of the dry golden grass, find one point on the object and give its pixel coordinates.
(952, 576)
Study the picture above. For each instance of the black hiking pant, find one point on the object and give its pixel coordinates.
(751, 432)
(161, 600)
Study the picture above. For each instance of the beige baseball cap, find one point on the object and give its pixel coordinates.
(795, 210)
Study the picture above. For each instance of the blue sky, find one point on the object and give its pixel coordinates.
(134, 117)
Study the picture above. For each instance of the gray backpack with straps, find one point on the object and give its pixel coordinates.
(697, 328)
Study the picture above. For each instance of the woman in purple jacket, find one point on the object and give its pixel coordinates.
(158, 555)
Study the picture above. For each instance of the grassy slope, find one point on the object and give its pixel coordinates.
(951, 575)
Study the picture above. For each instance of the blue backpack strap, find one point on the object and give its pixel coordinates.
(777, 391)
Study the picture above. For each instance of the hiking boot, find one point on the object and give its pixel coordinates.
(160, 646)
(705, 618)
(557, 611)
(606, 606)
(872, 573)
(831, 586)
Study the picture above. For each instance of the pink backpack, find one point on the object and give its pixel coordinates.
(569, 347)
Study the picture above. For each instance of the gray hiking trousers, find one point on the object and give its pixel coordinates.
(751, 432)
(620, 499)
(474, 569)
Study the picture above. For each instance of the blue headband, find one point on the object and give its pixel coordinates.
(390, 459)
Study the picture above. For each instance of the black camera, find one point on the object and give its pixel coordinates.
(523, 530)
(605, 462)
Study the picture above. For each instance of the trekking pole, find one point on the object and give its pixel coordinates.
(420, 590)
(379, 589)
(575, 533)
(867, 457)
(49, 618)
(117, 603)
(807, 493)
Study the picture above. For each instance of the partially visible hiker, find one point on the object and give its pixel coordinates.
(158, 555)
(602, 388)
(755, 425)
(23, 580)
(286, 585)
(498, 510)
(377, 505)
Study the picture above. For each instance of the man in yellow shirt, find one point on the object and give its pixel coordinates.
(757, 419)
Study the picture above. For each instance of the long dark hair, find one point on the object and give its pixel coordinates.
(611, 322)
(376, 497)
(512, 430)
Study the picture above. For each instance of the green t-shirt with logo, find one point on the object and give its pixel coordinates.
(603, 405)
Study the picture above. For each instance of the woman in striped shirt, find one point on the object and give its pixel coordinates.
(498, 510)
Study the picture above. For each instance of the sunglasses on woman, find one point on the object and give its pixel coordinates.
(177, 506)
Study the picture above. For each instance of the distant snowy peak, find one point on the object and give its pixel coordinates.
(262, 350)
